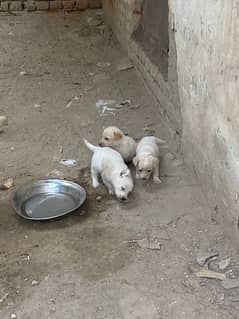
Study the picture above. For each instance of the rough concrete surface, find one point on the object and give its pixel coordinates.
(90, 266)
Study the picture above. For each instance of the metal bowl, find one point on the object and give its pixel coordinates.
(47, 199)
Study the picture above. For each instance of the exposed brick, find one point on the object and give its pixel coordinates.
(4, 6)
(55, 5)
(95, 4)
(16, 6)
(82, 4)
(68, 5)
(30, 5)
(42, 5)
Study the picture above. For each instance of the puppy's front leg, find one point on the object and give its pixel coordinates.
(156, 178)
(95, 177)
(108, 185)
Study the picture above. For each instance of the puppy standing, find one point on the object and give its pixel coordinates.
(110, 165)
(147, 159)
(113, 137)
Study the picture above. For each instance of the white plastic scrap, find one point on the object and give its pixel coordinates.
(105, 106)
(68, 162)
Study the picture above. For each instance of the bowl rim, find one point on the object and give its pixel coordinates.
(27, 184)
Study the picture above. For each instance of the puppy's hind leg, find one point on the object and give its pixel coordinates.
(94, 177)
(156, 178)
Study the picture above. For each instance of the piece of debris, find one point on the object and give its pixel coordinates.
(23, 73)
(37, 106)
(75, 98)
(124, 103)
(125, 66)
(68, 162)
(6, 184)
(223, 264)
(105, 106)
(204, 272)
(11, 33)
(4, 297)
(99, 198)
(13, 316)
(35, 282)
(3, 120)
(61, 149)
(12, 148)
(109, 106)
(152, 243)
(228, 283)
(204, 257)
(134, 107)
(104, 64)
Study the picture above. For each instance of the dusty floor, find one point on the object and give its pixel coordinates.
(85, 266)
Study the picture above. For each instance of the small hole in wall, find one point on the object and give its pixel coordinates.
(152, 33)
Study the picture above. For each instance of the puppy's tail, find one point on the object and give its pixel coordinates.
(90, 146)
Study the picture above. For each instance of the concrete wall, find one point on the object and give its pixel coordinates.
(199, 98)
(33, 5)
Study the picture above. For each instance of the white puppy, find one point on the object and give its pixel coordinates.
(115, 174)
(147, 159)
(113, 137)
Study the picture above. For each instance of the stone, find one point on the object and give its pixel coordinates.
(56, 5)
(95, 4)
(223, 264)
(3, 121)
(81, 4)
(6, 184)
(35, 283)
(68, 5)
(13, 316)
(30, 5)
(16, 6)
(99, 198)
(42, 5)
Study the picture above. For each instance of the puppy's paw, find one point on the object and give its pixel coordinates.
(111, 192)
(157, 180)
(95, 184)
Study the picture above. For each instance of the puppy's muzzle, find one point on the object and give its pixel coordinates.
(100, 143)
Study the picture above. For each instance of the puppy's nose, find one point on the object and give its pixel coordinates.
(123, 198)
(100, 143)
(144, 178)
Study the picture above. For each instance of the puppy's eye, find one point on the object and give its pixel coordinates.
(140, 170)
(106, 138)
(149, 171)
(122, 188)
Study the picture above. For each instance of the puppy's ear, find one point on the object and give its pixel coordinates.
(118, 135)
(125, 173)
(135, 161)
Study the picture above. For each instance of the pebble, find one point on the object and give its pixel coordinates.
(13, 316)
(35, 283)
(99, 198)
(169, 156)
(223, 264)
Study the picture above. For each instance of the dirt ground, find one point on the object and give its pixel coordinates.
(88, 265)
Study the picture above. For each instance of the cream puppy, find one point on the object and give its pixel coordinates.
(109, 165)
(147, 159)
(113, 137)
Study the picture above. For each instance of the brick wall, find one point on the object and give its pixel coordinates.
(33, 5)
